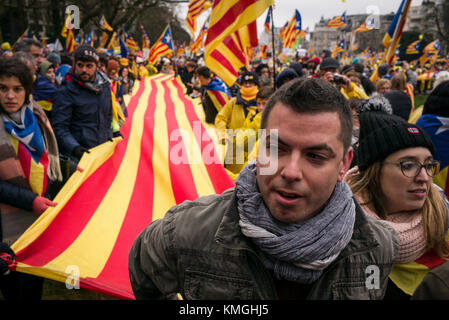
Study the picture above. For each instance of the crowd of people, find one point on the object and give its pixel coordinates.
(348, 190)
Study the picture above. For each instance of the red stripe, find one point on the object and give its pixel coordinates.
(182, 182)
(24, 159)
(235, 48)
(219, 97)
(44, 161)
(138, 216)
(79, 209)
(430, 259)
(228, 18)
(224, 62)
(218, 176)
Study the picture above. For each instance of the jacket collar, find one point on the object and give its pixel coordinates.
(229, 235)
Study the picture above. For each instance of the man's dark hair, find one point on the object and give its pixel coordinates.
(14, 67)
(204, 71)
(66, 59)
(190, 64)
(25, 44)
(309, 95)
(265, 92)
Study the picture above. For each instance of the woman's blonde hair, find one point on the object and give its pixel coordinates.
(366, 185)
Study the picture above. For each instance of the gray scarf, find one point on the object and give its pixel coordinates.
(295, 252)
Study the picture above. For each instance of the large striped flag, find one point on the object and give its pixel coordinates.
(196, 8)
(337, 22)
(167, 156)
(162, 47)
(367, 25)
(232, 27)
(292, 31)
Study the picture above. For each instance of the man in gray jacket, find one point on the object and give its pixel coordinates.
(290, 229)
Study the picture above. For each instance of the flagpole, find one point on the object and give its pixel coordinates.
(272, 41)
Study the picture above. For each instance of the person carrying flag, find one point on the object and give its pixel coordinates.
(83, 107)
(214, 93)
(29, 168)
(393, 183)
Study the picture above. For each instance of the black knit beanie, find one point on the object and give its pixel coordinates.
(86, 53)
(438, 101)
(382, 133)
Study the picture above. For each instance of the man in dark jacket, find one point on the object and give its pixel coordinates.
(82, 108)
(290, 229)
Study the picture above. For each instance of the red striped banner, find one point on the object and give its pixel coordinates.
(125, 185)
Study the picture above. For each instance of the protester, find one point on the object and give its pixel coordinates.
(187, 74)
(400, 102)
(367, 84)
(127, 80)
(391, 186)
(328, 72)
(435, 121)
(399, 82)
(82, 109)
(285, 76)
(211, 86)
(383, 86)
(63, 69)
(48, 70)
(28, 168)
(248, 243)
(31, 46)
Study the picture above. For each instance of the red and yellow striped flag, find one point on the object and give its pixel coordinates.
(164, 159)
(196, 8)
(227, 18)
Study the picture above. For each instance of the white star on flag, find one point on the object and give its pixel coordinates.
(444, 125)
(25, 140)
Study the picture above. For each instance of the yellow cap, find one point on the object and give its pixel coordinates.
(6, 46)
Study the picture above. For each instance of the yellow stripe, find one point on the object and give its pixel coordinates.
(197, 167)
(163, 198)
(94, 244)
(220, 10)
(90, 163)
(407, 276)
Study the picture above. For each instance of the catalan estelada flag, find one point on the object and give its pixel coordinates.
(433, 47)
(337, 22)
(222, 53)
(438, 130)
(164, 159)
(25, 34)
(162, 47)
(292, 31)
(218, 92)
(195, 9)
(341, 46)
(367, 25)
(395, 24)
(414, 47)
(104, 24)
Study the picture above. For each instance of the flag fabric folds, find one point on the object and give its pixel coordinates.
(292, 31)
(105, 25)
(231, 22)
(162, 47)
(395, 23)
(433, 47)
(218, 92)
(164, 159)
(414, 47)
(25, 34)
(367, 25)
(337, 22)
(196, 8)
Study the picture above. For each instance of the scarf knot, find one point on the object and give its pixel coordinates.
(295, 252)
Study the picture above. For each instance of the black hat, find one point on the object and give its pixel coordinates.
(400, 102)
(297, 67)
(248, 76)
(329, 63)
(438, 101)
(86, 53)
(287, 73)
(382, 133)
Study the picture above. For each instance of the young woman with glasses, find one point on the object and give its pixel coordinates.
(393, 183)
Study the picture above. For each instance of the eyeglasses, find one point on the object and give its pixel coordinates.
(412, 168)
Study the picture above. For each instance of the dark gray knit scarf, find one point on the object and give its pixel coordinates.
(295, 252)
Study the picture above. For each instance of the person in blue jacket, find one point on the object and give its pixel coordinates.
(82, 108)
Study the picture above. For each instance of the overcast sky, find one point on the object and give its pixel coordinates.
(312, 10)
